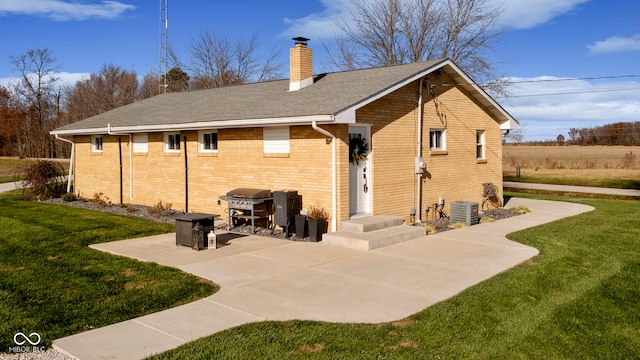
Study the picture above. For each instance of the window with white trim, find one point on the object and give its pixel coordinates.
(208, 141)
(96, 143)
(276, 140)
(480, 144)
(437, 139)
(172, 142)
(141, 143)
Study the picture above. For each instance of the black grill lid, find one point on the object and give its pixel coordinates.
(248, 193)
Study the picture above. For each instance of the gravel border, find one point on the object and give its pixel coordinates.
(50, 354)
(154, 213)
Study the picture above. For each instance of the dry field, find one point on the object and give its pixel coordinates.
(9, 165)
(611, 162)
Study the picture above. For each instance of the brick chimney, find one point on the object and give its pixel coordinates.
(301, 65)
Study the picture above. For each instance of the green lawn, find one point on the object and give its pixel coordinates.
(578, 299)
(53, 284)
(576, 181)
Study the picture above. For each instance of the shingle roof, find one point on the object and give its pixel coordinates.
(329, 95)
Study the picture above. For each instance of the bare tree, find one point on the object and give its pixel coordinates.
(39, 94)
(217, 61)
(390, 32)
(149, 86)
(111, 88)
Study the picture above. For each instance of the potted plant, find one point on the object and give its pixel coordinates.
(318, 221)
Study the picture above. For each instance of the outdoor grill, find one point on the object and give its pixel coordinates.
(249, 205)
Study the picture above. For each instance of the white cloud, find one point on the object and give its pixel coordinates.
(526, 14)
(64, 10)
(549, 107)
(65, 78)
(518, 14)
(317, 25)
(616, 44)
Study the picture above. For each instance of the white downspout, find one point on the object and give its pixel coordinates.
(419, 154)
(130, 159)
(73, 148)
(334, 175)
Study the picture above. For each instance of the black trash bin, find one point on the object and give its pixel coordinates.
(286, 206)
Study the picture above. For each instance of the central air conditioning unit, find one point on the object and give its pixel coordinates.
(464, 211)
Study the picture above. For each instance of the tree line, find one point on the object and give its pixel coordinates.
(619, 133)
(383, 32)
(38, 102)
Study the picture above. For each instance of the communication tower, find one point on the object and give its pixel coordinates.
(164, 43)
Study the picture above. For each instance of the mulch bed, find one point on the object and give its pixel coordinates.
(442, 224)
(156, 213)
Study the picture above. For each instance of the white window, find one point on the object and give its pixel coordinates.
(276, 140)
(96, 143)
(437, 139)
(172, 142)
(480, 144)
(141, 143)
(208, 141)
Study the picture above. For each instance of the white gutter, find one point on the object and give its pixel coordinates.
(130, 159)
(419, 154)
(334, 175)
(73, 148)
(201, 125)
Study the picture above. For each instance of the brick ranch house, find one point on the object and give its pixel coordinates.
(431, 133)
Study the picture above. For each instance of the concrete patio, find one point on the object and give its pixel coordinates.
(271, 279)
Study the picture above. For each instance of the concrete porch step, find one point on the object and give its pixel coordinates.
(373, 239)
(370, 223)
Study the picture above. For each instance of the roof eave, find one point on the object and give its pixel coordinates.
(507, 122)
(344, 115)
(243, 123)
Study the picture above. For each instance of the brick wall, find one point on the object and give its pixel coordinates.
(239, 162)
(455, 174)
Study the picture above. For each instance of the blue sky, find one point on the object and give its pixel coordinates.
(594, 42)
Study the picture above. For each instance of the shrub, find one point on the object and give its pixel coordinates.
(128, 208)
(430, 228)
(458, 225)
(159, 208)
(520, 209)
(628, 161)
(100, 200)
(487, 219)
(69, 197)
(42, 180)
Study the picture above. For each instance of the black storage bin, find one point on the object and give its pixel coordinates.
(301, 226)
(185, 224)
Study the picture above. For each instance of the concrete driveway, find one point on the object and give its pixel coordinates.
(270, 279)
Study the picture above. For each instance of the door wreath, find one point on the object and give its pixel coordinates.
(358, 149)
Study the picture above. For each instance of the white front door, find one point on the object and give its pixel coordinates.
(359, 173)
